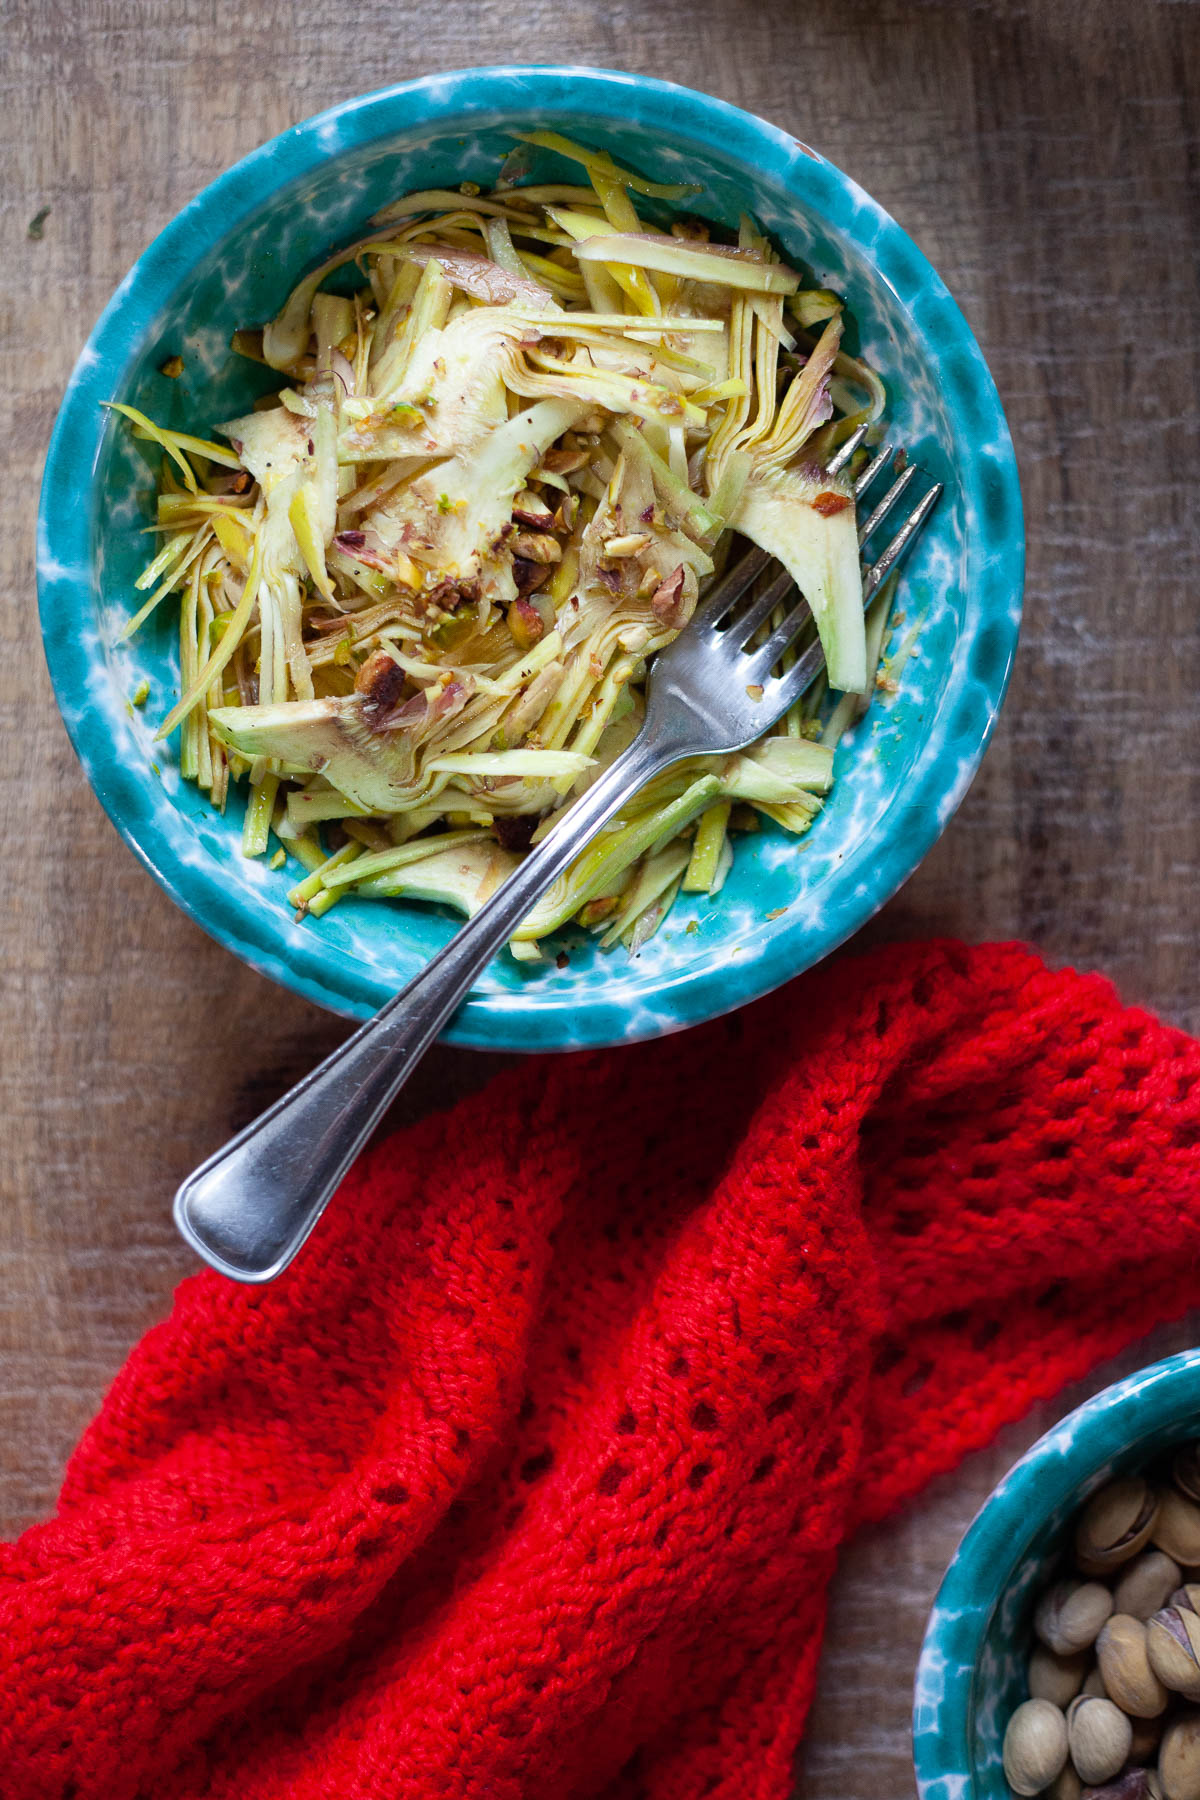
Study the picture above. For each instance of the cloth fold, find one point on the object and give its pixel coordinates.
(527, 1480)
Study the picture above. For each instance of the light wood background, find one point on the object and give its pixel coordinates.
(1045, 157)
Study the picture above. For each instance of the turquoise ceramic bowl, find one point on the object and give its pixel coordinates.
(971, 1676)
(229, 259)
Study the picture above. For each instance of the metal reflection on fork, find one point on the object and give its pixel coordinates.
(714, 690)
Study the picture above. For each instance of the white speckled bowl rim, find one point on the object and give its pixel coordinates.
(784, 907)
(959, 1706)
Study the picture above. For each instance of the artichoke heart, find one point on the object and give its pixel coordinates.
(451, 395)
(454, 518)
(332, 737)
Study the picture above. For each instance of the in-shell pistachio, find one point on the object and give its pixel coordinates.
(1146, 1584)
(1179, 1758)
(1035, 1747)
(1186, 1470)
(1133, 1784)
(1069, 1615)
(1115, 1524)
(1065, 1786)
(1099, 1736)
(1147, 1736)
(1177, 1528)
(1173, 1648)
(1095, 1684)
(1186, 1598)
(1056, 1678)
(1125, 1668)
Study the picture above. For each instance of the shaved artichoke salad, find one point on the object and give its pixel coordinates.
(421, 583)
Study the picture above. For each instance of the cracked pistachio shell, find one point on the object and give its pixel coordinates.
(1186, 1598)
(1056, 1678)
(1099, 1736)
(1125, 1668)
(1173, 1647)
(1115, 1524)
(1132, 1784)
(1179, 1758)
(1035, 1747)
(1185, 1471)
(1146, 1584)
(1177, 1527)
(1069, 1615)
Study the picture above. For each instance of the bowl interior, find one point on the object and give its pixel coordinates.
(972, 1674)
(230, 259)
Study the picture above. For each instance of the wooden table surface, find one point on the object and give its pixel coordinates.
(1044, 156)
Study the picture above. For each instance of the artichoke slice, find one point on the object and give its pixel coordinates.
(806, 519)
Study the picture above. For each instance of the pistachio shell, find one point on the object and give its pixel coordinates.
(1173, 1649)
(1177, 1527)
(1095, 1685)
(1099, 1735)
(1115, 1524)
(1186, 1470)
(1069, 1615)
(1186, 1598)
(1065, 1786)
(1035, 1747)
(1125, 1667)
(1056, 1678)
(1147, 1736)
(1179, 1758)
(1132, 1784)
(1146, 1584)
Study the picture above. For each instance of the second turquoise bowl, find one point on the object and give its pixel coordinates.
(972, 1672)
(230, 258)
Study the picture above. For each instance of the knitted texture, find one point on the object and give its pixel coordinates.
(527, 1480)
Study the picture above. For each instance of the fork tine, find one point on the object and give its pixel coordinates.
(762, 660)
(886, 504)
(880, 570)
(842, 455)
(729, 589)
(743, 628)
(867, 475)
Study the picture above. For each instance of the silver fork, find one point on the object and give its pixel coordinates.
(248, 1209)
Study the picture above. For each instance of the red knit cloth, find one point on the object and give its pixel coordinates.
(527, 1480)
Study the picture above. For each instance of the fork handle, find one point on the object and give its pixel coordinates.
(248, 1209)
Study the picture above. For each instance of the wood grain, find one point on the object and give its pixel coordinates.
(1044, 155)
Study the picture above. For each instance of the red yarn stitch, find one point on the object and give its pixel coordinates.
(527, 1481)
